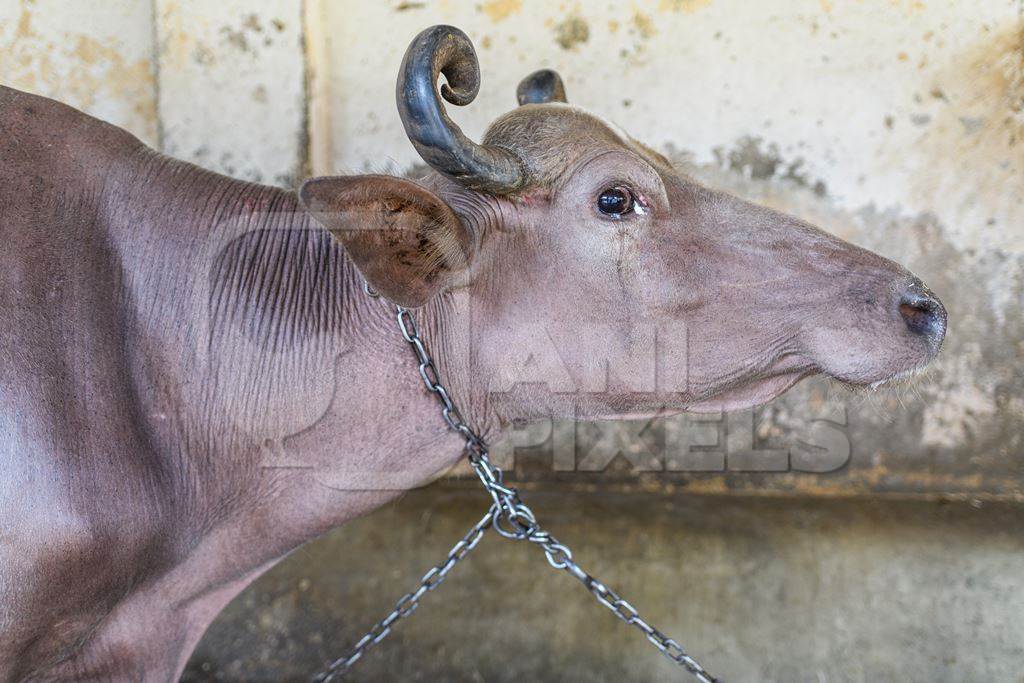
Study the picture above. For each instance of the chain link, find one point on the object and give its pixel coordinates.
(511, 518)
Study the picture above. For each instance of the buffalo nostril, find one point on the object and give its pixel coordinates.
(923, 314)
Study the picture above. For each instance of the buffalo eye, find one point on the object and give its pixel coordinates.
(616, 202)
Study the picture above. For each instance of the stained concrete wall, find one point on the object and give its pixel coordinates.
(232, 86)
(96, 56)
(897, 124)
(759, 589)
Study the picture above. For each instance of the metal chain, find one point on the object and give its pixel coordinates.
(511, 518)
(408, 603)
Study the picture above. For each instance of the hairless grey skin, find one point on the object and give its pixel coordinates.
(194, 383)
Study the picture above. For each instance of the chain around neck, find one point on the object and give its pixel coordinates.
(510, 517)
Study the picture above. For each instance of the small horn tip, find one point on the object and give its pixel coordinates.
(541, 87)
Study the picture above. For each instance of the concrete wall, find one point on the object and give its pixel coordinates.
(96, 56)
(232, 86)
(759, 589)
(897, 124)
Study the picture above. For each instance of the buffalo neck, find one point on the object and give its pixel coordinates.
(275, 388)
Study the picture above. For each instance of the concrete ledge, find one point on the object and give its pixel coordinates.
(760, 589)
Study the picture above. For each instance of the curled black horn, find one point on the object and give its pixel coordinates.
(541, 87)
(447, 50)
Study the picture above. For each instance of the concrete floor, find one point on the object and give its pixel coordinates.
(759, 589)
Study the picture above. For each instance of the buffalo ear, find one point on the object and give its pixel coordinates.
(406, 242)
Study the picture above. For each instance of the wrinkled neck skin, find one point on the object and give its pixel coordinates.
(261, 399)
(283, 397)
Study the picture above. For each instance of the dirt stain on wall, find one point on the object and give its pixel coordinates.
(688, 6)
(752, 158)
(79, 69)
(571, 32)
(497, 10)
(976, 130)
(643, 25)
